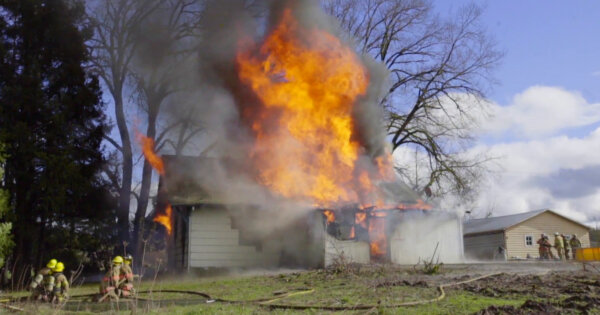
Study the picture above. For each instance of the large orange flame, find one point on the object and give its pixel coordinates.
(308, 82)
(147, 144)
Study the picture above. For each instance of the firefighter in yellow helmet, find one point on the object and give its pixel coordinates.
(110, 282)
(61, 284)
(126, 277)
(42, 284)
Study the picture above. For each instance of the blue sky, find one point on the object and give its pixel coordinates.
(547, 42)
(545, 129)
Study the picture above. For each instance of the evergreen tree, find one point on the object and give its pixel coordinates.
(6, 242)
(52, 124)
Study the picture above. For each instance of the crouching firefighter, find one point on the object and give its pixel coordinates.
(61, 284)
(110, 283)
(42, 284)
(126, 277)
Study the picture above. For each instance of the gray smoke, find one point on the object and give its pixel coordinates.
(218, 98)
(209, 94)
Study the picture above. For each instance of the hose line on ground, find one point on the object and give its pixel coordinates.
(268, 302)
(365, 307)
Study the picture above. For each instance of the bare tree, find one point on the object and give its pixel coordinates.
(116, 23)
(165, 60)
(439, 70)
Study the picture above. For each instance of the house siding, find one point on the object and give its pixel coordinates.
(546, 222)
(214, 243)
(483, 246)
(439, 236)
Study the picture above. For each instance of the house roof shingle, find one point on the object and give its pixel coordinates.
(494, 224)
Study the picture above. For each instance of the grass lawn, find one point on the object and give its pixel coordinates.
(369, 286)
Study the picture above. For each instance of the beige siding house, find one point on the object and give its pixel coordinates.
(515, 236)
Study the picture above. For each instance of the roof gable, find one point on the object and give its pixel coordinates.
(562, 217)
(497, 224)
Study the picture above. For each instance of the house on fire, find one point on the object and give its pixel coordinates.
(517, 234)
(212, 230)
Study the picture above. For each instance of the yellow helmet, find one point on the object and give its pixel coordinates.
(118, 260)
(128, 259)
(59, 267)
(51, 264)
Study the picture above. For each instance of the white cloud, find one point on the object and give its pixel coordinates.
(596, 73)
(522, 182)
(542, 111)
(537, 165)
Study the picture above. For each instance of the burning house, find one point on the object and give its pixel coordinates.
(205, 230)
(301, 173)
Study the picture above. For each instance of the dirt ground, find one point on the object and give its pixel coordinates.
(550, 287)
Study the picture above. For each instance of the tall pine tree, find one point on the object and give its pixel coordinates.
(51, 124)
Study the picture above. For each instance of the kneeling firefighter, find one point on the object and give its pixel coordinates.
(126, 277)
(61, 284)
(42, 284)
(110, 282)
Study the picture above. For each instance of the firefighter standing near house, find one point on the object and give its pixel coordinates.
(42, 284)
(126, 277)
(575, 244)
(61, 284)
(566, 244)
(559, 245)
(542, 248)
(548, 246)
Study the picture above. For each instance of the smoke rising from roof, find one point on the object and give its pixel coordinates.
(218, 99)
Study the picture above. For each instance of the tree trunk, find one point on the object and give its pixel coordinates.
(125, 191)
(40, 242)
(140, 213)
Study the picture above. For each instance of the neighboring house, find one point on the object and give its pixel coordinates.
(517, 234)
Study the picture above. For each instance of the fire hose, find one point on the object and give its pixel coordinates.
(366, 306)
(269, 302)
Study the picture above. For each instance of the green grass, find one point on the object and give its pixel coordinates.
(328, 289)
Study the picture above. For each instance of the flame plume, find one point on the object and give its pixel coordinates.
(165, 219)
(330, 215)
(147, 145)
(307, 82)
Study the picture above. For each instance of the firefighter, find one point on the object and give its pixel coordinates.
(559, 245)
(126, 277)
(548, 247)
(110, 282)
(61, 284)
(542, 247)
(575, 244)
(566, 244)
(43, 282)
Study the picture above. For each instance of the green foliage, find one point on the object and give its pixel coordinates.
(6, 242)
(51, 124)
